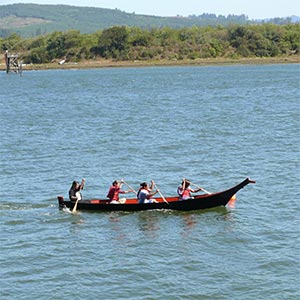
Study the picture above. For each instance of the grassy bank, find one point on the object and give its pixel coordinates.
(196, 62)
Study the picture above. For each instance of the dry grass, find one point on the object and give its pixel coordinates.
(197, 62)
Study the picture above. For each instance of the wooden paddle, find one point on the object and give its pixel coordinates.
(75, 207)
(129, 186)
(160, 193)
(199, 187)
(78, 198)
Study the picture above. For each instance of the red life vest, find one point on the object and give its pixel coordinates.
(184, 194)
(113, 193)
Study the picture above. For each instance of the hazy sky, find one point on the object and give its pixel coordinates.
(254, 9)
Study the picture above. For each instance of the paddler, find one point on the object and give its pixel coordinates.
(184, 191)
(74, 192)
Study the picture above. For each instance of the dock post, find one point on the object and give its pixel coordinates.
(12, 63)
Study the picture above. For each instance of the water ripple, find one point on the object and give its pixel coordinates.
(214, 125)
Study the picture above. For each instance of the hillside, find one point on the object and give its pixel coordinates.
(30, 20)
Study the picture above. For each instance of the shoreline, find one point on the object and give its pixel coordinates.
(94, 64)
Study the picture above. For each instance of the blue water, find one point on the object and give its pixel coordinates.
(214, 125)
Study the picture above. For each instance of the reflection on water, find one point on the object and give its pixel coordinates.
(114, 217)
(189, 221)
(231, 203)
(148, 222)
(76, 219)
(152, 223)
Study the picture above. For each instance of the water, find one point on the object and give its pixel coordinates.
(213, 125)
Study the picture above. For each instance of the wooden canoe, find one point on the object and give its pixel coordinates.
(204, 201)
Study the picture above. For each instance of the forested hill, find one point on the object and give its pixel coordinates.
(30, 20)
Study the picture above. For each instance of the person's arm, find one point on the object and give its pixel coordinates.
(179, 191)
(119, 184)
(196, 191)
(82, 184)
(125, 192)
(152, 193)
(72, 195)
(184, 184)
(151, 185)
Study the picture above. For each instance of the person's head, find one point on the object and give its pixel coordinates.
(144, 185)
(75, 184)
(187, 183)
(115, 183)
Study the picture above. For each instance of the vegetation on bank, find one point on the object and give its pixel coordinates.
(136, 44)
(29, 20)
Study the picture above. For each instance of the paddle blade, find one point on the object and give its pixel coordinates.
(75, 207)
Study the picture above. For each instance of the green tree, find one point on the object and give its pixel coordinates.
(139, 37)
(258, 44)
(291, 38)
(131, 43)
(37, 56)
(72, 39)
(56, 45)
(12, 43)
(38, 42)
(113, 42)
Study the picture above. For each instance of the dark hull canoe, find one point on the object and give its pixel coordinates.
(198, 202)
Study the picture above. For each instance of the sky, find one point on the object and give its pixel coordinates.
(254, 9)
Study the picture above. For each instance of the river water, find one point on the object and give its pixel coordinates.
(214, 125)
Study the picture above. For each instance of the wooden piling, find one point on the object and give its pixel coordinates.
(12, 63)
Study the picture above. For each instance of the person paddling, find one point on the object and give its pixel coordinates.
(115, 190)
(145, 193)
(184, 191)
(74, 192)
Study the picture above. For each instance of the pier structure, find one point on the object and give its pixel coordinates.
(12, 63)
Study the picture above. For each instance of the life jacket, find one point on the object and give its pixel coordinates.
(143, 195)
(140, 189)
(75, 193)
(113, 193)
(183, 194)
(186, 194)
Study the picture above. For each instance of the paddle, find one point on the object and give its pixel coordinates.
(122, 180)
(160, 193)
(78, 195)
(75, 207)
(199, 187)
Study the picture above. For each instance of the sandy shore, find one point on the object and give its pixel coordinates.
(197, 62)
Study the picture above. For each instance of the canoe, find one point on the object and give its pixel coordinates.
(203, 201)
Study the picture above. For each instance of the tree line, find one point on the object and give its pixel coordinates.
(133, 43)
